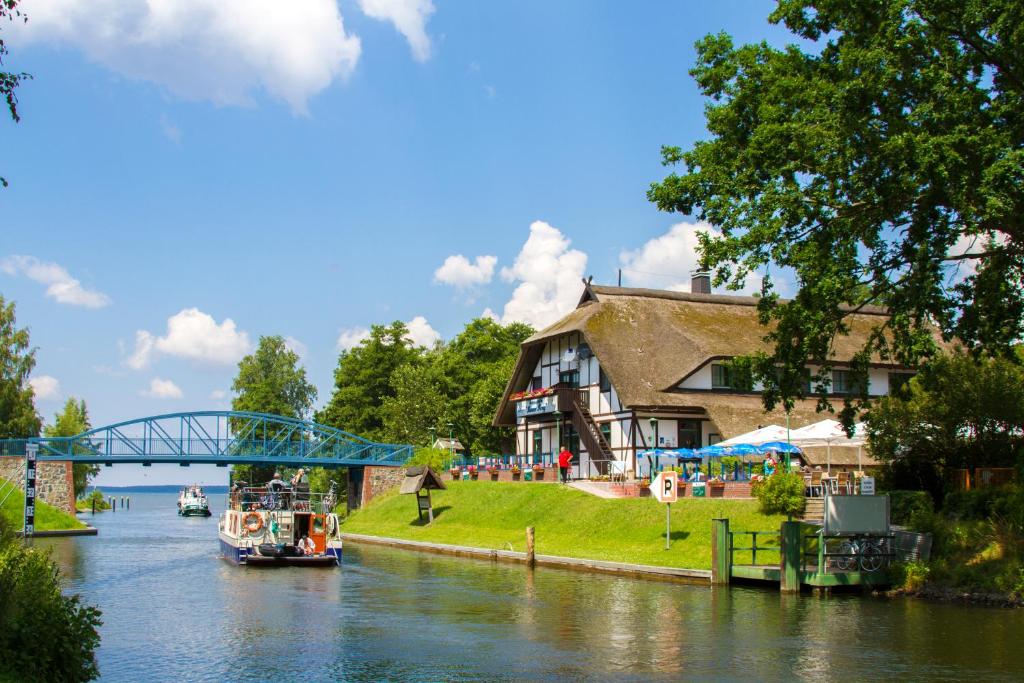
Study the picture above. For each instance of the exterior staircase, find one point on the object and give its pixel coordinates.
(597, 446)
(814, 510)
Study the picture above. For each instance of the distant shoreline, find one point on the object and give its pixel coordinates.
(163, 488)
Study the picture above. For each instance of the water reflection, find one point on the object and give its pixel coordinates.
(174, 611)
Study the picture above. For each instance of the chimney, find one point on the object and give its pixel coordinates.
(700, 282)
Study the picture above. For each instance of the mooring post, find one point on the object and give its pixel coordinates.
(129, 501)
(721, 552)
(790, 557)
(113, 504)
(530, 548)
(94, 506)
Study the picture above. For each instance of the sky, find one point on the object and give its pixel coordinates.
(189, 175)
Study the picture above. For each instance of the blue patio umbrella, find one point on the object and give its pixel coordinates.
(780, 446)
(712, 452)
(743, 449)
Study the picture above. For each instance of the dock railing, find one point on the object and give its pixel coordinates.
(287, 499)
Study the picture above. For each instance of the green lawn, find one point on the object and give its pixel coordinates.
(48, 518)
(567, 522)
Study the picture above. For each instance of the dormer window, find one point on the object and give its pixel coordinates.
(721, 376)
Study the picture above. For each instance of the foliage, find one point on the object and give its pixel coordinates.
(320, 479)
(781, 494)
(9, 81)
(95, 496)
(958, 411)
(44, 634)
(418, 404)
(568, 523)
(18, 417)
(435, 458)
(871, 164)
(905, 506)
(363, 380)
(72, 421)
(270, 380)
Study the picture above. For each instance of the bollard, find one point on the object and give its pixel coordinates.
(530, 547)
(113, 504)
(94, 506)
(721, 552)
(790, 557)
(129, 501)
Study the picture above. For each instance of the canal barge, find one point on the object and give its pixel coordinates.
(192, 502)
(264, 527)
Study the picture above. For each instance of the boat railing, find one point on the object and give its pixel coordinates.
(297, 499)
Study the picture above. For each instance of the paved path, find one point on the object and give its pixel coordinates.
(594, 489)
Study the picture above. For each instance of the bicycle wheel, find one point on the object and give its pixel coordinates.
(871, 559)
(847, 560)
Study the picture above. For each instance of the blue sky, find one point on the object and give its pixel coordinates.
(185, 180)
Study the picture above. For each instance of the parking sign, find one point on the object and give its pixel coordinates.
(665, 487)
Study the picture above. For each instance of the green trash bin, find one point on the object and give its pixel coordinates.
(528, 474)
(699, 488)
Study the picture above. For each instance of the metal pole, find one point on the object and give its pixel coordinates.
(668, 523)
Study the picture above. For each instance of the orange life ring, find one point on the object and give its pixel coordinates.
(253, 522)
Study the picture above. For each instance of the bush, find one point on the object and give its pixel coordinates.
(906, 505)
(44, 634)
(781, 494)
(435, 458)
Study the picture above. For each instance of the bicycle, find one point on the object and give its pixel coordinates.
(868, 553)
(331, 497)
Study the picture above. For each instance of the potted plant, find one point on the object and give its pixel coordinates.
(538, 471)
(516, 471)
(473, 473)
(493, 471)
(456, 472)
(716, 487)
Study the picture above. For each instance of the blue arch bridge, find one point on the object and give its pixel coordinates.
(220, 438)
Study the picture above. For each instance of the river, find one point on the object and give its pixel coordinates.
(174, 611)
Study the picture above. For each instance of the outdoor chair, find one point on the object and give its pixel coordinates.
(816, 484)
(843, 483)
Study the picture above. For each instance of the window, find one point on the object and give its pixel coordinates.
(806, 388)
(606, 431)
(689, 434)
(604, 384)
(844, 383)
(538, 442)
(536, 383)
(721, 376)
(570, 377)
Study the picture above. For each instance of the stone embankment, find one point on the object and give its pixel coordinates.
(55, 484)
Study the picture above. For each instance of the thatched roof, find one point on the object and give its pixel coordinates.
(420, 477)
(842, 456)
(648, 341)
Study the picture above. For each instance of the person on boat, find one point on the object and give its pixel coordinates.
(299, 478)
(564, 462)
(306, 545)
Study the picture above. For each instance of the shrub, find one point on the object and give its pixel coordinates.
(781, 494)
(44, 634)
(434, 458)
(906, 505)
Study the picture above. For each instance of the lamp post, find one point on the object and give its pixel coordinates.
(451, 441)
(654, 444)
(433, 440)
(558, 431)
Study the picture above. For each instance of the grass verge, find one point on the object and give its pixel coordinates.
(48, 518)
(567, 522)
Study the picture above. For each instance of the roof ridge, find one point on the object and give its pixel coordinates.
(727, 299)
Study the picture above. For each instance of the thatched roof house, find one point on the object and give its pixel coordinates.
(635, 355)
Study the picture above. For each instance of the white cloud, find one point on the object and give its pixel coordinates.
(216, 50)
(218, 394)
(352, 337)
(162, 388)
(295, 346)
(549, 273)
(421, 333)
(459, 272)
(60, 286)
(46, 388)
(194, 335)
(488, 313)
(409, 17)
(666, 262)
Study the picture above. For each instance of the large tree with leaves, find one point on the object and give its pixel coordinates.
(872, 161)
(271, 380)
(9, 81)
(72, 421)
(18, 416)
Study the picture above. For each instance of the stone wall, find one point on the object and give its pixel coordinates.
(377, 480)
(55, 483)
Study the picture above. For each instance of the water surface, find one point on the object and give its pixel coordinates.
(174, 611)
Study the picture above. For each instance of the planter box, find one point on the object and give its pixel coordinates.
(716, 490)
(539, 475)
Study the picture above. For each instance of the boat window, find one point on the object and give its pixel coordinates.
(318, 525)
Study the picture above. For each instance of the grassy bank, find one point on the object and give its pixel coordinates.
(567, 522)
(48, 518)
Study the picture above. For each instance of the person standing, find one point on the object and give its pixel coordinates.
(564, 463)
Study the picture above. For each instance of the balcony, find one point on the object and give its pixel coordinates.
(560, 398)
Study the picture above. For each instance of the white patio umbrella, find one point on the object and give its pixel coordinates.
(757, 437)
(830, 433)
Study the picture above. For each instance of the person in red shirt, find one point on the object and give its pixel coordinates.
(564, 462)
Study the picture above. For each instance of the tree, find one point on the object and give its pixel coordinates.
(270, 380)
(362, 380)
(419, 403)
(9, 81)
(871, 166)
(72, 421)
(18, 416)
(957, 412)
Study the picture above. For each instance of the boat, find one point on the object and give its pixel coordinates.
(262, 527)
(192, 502)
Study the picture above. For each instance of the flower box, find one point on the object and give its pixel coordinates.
(528, 394)
(456, 473)
(538, 472)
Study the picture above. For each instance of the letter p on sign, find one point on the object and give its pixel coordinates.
(665, 487)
